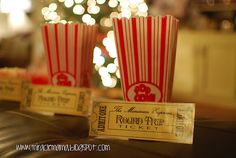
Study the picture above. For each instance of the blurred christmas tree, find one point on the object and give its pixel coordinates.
(99, 12)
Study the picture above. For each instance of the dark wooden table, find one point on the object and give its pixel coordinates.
(213, 137)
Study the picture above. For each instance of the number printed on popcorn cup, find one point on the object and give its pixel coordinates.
(146, 49)
(69, 53)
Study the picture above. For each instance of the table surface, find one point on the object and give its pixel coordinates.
(213, 137)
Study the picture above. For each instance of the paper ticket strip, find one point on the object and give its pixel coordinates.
(56, 99)
(170, 122)
(11, 89)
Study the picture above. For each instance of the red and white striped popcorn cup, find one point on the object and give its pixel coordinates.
(69, 53)
(146, 49)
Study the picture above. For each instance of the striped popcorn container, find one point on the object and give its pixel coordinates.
(146, 49)
(69, 53)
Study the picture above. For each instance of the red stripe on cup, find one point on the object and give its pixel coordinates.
(120, 31)
(162, 54)
(149, 39)
(57, 49)
(167, 61)
(48, 49)
(135, 48)
(75, 49)
(66, 35)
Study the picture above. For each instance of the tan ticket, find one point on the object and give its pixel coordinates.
(10, 89)
(170, 122)
(57, 99)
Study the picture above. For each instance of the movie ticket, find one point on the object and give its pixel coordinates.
(171, 122)
(10, 89)
(57, 99)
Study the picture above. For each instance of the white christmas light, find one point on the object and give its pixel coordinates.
(45, 10)
(78, 9)
(133, 6)
(114, 82)
(107, 81)
(110, 34)
(91, 2)
(79, 1)
(109, 43)
(112, 50)
(52, 16)
(96, 67)
(69, 3)
(142, 7)
(103, 71)
(52, 22)
(114, 15)
(86, 18)
(134, 10)
(46, 17)
(93, 9)
(57, 19)
(111, 68)
(61, 0)
(124, 3)
(92, 21)
(105, 76)
(102, 21)
(101, 1)
(107, 22)
(99, 61)
(133, 2)
(118, 73)
(52, 7)
(106, 41)
(113, 3)
(63, 21)
(97, 52)
(126, 13)
(116, 62)
(144, 14)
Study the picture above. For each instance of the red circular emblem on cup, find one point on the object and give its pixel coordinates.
(144, 92)
(63, 79)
